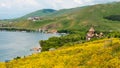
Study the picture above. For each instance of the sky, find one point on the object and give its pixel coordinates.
(17, 8)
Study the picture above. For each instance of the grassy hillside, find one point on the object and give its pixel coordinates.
(97, 54)
(80, 18)
(40, 13)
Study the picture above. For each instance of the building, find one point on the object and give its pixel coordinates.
(100, 35)
(36, 49)
(43, 29)
(53, 31)
(90, 34)
(34, 18)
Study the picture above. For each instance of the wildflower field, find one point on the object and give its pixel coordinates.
(104, 53)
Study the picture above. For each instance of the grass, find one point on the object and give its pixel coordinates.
(79, 18)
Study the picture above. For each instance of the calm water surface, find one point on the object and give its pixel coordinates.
(13, 44)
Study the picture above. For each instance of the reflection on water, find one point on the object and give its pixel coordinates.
(13, 44)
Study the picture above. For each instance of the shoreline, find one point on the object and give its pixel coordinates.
(28, 49)
(16, 29)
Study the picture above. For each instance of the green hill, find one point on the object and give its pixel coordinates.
(97, 54)
(40, 13)
(80, 18)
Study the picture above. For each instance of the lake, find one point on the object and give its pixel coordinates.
(13, 44)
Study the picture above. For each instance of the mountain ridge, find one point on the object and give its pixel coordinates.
(41, 13)
(80, 18)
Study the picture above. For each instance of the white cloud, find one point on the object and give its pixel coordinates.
(27, 2)
(89, 0)
(19, 3)
(4, 5)
(78, 1)
(61, 4)
(117, 0)
(82, 2)
(59, 1)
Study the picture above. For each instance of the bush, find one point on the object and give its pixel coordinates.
(55, 42)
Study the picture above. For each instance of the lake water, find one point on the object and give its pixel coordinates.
(13, 44)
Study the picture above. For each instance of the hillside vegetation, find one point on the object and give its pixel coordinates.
(41, 13)
(102, 53)
(80, 18)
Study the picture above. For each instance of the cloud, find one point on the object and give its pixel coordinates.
(78, 1)
(60, 4)
(117, 0)
(84, 2)
(19, 3)
(89, 0)
(59, 1)
(63, 4)
(15, 8)
(4, 5)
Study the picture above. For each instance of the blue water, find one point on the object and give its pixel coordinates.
(13, 44)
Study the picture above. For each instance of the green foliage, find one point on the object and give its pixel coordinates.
(114, 34)
(17, 29)
(17, 58)
(55, 42)
(41, 13)
(80, 18)
(75, 37)
(113, 17)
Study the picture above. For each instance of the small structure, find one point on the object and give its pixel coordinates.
(100, 35)
(36, 49)
(90, 34)
(54, 31)
(42, 29)
(34, 18)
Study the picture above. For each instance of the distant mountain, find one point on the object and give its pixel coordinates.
(40, 13)
(101, 16)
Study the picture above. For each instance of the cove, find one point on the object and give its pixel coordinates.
(13, 44)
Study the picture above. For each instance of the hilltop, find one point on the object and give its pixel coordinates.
(102, 53)
(41, 13)
(80, 18)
